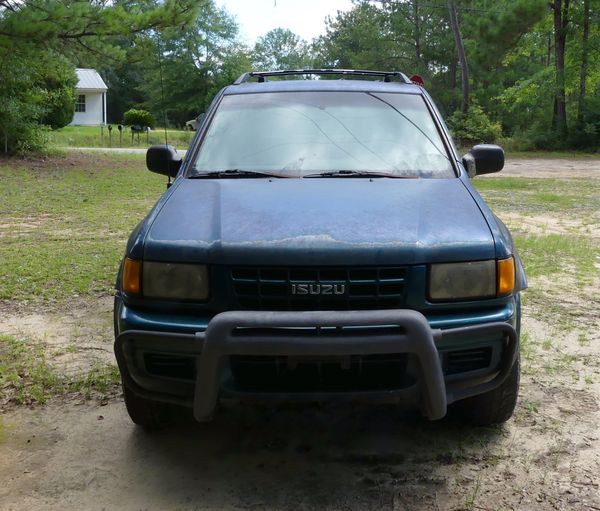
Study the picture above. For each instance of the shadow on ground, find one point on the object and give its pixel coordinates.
(300, 457)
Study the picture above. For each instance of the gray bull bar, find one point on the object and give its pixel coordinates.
(298, 334)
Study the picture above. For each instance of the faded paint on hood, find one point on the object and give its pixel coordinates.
(329, 221)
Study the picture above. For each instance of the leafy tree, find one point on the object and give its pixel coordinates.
(190, 61)
(55, 23)
(360, 38)
(58, 82)
(37, 88)
(280, 48)
(21, 103)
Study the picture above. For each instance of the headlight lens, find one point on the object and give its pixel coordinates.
(175, 281)
(456, 281)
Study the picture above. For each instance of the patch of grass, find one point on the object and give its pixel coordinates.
(472, 496)
(562, 363)
(554, 254)
(538, 196)
(507, 183)
(532, 406)
(583, 340)
(65, 222)
(547, 306)
(100, 379)
(27, 377)
(526, 345)
(94, 136)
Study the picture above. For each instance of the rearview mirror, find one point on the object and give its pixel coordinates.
(484, 159)
(163, 159)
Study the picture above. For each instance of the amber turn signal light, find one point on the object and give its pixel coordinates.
(132, 276)
(506, 276)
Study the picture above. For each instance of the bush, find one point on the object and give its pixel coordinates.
(134, 117)
(475, 127)
(59, 84)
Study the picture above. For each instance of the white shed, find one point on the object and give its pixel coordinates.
(90, 98)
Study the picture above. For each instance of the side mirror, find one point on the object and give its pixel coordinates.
(484, 159)
(163, 159)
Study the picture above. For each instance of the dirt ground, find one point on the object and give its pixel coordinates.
(558, 168)
(73, 454)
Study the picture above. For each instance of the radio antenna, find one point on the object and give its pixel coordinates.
(162, 95)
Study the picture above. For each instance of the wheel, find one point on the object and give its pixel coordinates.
(147, 413)
(495, 406)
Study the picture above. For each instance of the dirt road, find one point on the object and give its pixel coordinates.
(73, 454)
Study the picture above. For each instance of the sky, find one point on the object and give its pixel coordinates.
(303, 17)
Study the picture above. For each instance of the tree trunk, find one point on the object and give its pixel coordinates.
(462, 57)
(583, 72)
(561, 13)
(417, 22)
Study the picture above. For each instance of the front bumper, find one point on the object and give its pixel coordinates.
(316, 334)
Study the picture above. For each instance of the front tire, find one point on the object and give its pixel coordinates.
(147, 413)
(495, 406)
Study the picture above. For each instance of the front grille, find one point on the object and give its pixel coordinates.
(320, 374)
(467, 360)
(270, 288)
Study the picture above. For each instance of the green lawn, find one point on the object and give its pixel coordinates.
(94, 136)
(65, 222)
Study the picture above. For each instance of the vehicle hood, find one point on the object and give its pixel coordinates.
(326, 221)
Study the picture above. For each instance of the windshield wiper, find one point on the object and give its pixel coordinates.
(357, 173)
(233, 173)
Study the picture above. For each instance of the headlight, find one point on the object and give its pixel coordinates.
(175, 281)
(456, 281)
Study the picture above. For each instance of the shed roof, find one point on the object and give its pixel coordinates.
(89, 79)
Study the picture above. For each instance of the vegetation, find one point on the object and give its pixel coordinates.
(41, 40)
(58, 243)
(473, 127)
(36, 87)
(27, 377)
(134, 117)
(95, 136)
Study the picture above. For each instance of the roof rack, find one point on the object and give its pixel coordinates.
(262, 75)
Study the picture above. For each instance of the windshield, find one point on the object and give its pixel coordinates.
(295, 134)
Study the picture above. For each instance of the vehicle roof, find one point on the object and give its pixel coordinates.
(322, 85)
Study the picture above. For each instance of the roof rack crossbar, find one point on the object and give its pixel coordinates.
(262, 75)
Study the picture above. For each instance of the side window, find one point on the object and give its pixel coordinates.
(80, 104)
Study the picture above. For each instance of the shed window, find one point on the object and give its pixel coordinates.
(80, 104)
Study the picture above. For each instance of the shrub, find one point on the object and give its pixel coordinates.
(474, 127)
(134, 117)
(59, 82)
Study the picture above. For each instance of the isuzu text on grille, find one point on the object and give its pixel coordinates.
(318, 289)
